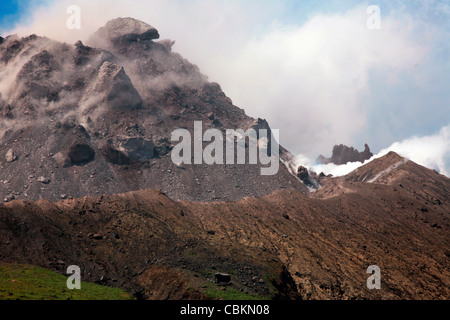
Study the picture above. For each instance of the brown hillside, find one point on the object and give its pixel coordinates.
(323, 243)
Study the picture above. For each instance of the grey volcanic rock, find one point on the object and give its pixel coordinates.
(36, 76)
(117, 87)
(136, 148)
(168, 44)
(44, 180)
(343, 154)
(124, 30)
(98, 118)
(6, 111)
(11, 156)
(114, 156)
(62, 160)
(128, 27)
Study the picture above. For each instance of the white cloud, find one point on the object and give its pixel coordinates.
(310, 80)
(428, 151)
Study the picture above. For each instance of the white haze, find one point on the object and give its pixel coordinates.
(310, 81)
(428, 151)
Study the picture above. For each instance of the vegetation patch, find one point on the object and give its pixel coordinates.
(26, 282)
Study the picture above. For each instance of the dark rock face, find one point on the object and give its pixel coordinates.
(343, 155)
(81, 154)
(304, 175)
(82, 53)
(162, 147)
(114, 156)
(10, 47)
(137, 148)
(222, 278)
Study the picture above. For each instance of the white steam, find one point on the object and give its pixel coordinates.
(428, 151)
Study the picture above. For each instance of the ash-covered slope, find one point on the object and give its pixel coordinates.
(81, 120)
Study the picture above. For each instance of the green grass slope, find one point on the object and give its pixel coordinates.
(26, 282)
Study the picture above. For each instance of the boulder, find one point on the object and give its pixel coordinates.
(120, 27)
(97, 236)
(44, 180)
(81, 154)
(62, 160)
(222, 278)
(136, 148)
(11, 156)
(114, 156)
(114, 83)
(123, 30)
(162, 146)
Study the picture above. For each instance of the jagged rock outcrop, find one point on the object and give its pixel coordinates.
(136, 148)
(343, 155)
(126, 30)
(304, 175)
(116, 86)
(6, 111)
(36, 77)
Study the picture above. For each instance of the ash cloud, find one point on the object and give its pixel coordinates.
(46, 80)
(311, 79)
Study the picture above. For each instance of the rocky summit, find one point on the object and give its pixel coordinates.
(97, 119)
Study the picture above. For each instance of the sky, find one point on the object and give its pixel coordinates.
(313, 69)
